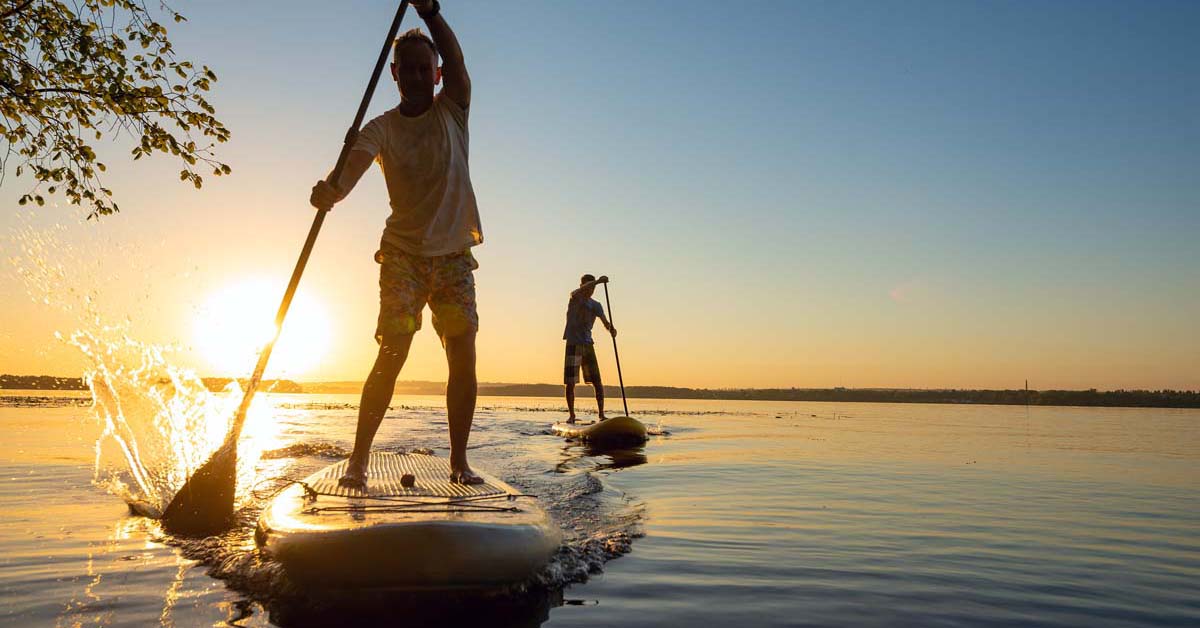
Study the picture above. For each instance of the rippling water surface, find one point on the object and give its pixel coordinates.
(741, 513)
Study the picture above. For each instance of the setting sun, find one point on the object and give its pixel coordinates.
(906, 298)
(235, 322)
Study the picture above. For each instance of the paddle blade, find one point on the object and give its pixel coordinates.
(205, 503)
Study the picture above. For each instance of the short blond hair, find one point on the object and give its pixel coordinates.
(411, 35)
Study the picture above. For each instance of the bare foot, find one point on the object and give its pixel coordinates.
(602, 417)
(572, 419)
(355, 476)
(465, 476)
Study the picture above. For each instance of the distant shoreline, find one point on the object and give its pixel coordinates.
(1092, 398)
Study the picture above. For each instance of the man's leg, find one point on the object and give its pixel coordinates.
(570, 378)
(456, 320)
(591, 374)
(376, 396)
(460, 403)
(599, 386)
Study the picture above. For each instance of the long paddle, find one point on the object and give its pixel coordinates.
(615, 354)
(205, 503)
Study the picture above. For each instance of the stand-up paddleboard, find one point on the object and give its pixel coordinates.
(618, 430)
(430, 535)
(612, 432)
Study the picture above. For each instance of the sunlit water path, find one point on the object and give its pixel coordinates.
(744, 514)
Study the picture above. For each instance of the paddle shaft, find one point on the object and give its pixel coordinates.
(347, 145)
(615, 354)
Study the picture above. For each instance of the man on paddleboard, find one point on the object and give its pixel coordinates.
(425, 253)
(582, 312)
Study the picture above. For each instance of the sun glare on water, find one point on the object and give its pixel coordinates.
(235, 322)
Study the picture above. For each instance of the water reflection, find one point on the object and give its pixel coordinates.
(618, 458)
(173, 592)
(523, 609)
(107, 560)
(79, 607)
(239, 611)
(582, 457)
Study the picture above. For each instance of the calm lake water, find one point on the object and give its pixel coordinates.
(741, 513)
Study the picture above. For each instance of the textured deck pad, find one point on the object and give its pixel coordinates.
(383, 479)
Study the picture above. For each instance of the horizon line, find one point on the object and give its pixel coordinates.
(359, 382)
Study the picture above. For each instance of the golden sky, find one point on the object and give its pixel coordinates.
(859, 211)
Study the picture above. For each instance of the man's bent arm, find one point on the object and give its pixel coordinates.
(326, 193)
(454, 69)
(356, 164)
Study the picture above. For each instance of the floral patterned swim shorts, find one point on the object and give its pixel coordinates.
(407, 282)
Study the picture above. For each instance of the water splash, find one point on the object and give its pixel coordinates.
(160, 422)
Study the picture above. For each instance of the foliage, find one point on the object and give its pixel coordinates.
(75, 70)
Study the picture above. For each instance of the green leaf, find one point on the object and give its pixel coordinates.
(73, 71)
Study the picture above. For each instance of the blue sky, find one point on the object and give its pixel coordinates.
(785, 193)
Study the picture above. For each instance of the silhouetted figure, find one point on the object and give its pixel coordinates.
(582, 312)
(424, 255)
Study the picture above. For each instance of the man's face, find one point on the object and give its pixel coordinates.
(589, 291)
(415, 71)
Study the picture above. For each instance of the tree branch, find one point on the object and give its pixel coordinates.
(15, 10)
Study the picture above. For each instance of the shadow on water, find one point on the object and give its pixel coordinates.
(265, 589)
(618, 458)
(384, 608)
(581, 457)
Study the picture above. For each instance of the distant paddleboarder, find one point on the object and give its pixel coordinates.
(425, 253)
(582, 312)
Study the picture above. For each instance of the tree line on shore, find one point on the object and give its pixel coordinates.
(50, 382)
(1111, 398)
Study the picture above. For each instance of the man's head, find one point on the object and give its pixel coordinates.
(585, 279)
(415, 66)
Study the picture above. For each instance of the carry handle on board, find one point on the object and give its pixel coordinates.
(205, 503)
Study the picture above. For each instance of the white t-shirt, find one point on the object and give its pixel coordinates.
(424, 161)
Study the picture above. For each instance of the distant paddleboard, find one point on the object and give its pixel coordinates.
(618, 430)
(430, 535)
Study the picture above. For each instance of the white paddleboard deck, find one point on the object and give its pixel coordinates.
(432, 535)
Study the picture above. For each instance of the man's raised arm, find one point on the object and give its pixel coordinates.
(585, 286)
(457, 84)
